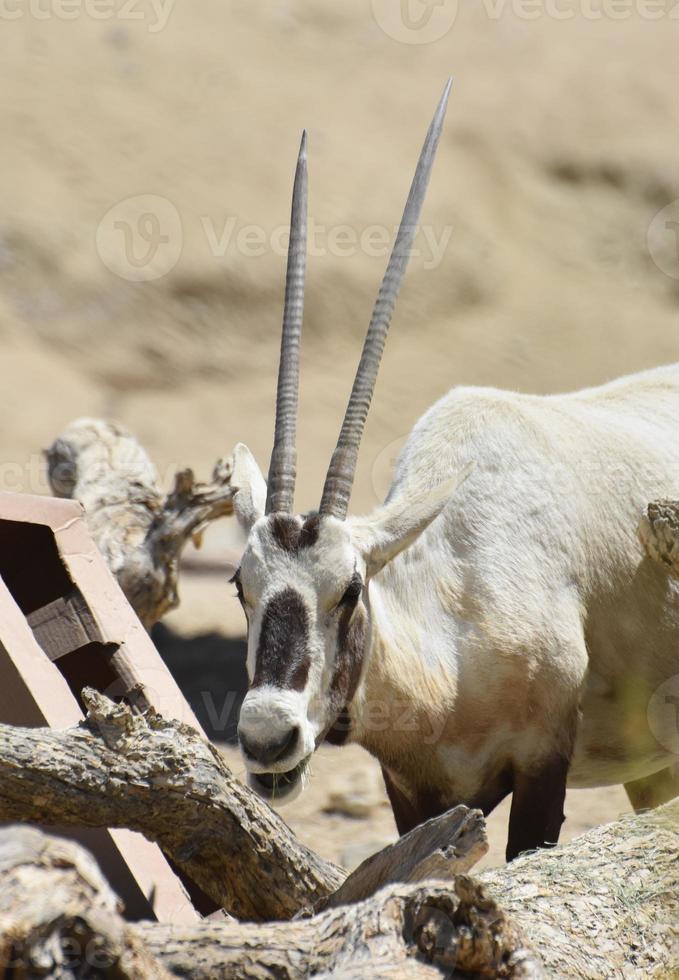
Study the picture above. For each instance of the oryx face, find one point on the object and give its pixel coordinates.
(303, 580)
(301, 584)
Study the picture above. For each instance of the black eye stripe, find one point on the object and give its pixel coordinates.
(282, 657)
(353, 590)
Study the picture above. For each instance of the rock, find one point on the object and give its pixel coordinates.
(357, 796)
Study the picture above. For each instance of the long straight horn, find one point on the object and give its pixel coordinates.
(340, 478)
(282, 469)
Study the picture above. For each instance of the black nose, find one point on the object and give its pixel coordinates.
(265, 753)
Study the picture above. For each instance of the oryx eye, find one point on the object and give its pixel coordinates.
(353, 591)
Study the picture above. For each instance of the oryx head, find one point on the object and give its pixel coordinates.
(303, 579)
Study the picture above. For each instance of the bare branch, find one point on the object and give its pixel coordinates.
(140, 531)
(159, 777)
(59, 917)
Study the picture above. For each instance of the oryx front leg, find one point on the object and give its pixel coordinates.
(537, 806)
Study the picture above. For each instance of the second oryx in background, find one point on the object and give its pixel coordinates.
(493, 627)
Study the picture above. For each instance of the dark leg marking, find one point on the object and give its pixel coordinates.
(408, 811)
(282, 652)
(537, 807)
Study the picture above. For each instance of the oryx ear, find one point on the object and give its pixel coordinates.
(247, 480)
(397, 524)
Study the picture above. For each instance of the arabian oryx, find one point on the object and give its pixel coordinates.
(494, 626)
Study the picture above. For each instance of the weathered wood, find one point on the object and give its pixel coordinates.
(441, 848)
(163, 779)
(426, 930)
(119, 769)
(603, 906)
(58, 916)
(59, 919)
(606, 904)
(140, 531)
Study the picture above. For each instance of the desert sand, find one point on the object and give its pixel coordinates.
(145, 176)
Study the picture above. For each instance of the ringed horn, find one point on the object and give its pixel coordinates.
(282, 468)
(340, 478)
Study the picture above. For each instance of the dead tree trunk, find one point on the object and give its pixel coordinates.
(162, 778)
(140, 531)
(59, 918)
(603, 906)
(429, 930)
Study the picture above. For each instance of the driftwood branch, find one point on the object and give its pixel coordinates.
(441, 848)
(59, 917)
(428, 930)
(605, 905)
(162, 778)
(140, 531)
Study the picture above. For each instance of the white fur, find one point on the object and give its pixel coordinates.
(250, 486)
(268, 711)
(534, 575)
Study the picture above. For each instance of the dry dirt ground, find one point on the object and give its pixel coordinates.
(146, 162)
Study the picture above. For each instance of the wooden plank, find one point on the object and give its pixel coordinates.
(36, 642)
(64, 625)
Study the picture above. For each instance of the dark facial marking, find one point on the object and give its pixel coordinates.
(292, 536)
(351, 640)
(282, 652)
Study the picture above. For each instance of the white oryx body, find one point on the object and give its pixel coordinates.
(494, 627)
(530, 592)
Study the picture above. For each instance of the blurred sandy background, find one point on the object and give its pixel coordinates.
(147, 158)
